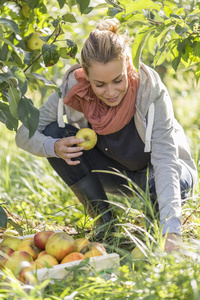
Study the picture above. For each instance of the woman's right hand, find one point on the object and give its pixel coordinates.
(63, 149)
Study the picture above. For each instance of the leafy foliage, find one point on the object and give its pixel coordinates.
(33, 40)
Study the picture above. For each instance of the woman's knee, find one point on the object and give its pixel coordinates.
(55, 131)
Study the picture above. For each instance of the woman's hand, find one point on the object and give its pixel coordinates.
(63, 149)
(173, 242)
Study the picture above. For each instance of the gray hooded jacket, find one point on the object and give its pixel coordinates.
(154, 119)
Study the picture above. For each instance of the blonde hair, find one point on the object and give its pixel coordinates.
(104, 44)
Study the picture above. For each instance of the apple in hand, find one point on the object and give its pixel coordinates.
(93, 249)
(60, 244)
(40, 238)
(73, 256)
(89, 136)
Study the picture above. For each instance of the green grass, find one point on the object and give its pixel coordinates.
(36, 198)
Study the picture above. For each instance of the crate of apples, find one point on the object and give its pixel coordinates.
(48, 254)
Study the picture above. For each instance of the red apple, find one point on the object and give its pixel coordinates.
(23, 275)
(42, 253)
(47, 260)
(29, 246)
(14, 260)
(94, 249)
(73, 256)
(5, 252)
(80, 243)
(40, 238)
(60, 244)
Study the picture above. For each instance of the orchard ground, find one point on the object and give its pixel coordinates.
(36, 198)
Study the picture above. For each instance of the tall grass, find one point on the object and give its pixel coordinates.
(36, 198)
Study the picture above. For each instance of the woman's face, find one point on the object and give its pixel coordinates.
(109, 81)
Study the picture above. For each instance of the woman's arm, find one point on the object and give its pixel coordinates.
(35, 145)
(164, 158)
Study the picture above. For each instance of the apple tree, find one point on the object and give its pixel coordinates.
(38, 38)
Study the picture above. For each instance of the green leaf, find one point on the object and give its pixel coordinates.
(197, 48)
(83, 4)
(138, 45)
(28, 115)
(3, 218)
(4, 52)
(176, 60)
(50, 54)
(72, 48)
(61, 3)
(69, 18)
(160, 52)
(161, 38)
(15, 95)
(6, 117)
(141, 4)
(10, 24)
(197, 73)
(19, 229)
(193, 22)
(44, 79)
(138, 18)
(33, 3)
(180, 30)
(20, 76)
(168, 11)
(15, 49)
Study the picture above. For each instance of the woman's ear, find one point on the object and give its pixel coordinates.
(86, 76)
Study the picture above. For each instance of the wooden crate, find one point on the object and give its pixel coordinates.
(103, 263)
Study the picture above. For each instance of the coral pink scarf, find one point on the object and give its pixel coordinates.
(103, 118)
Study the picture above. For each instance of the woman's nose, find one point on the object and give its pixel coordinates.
(110, 92)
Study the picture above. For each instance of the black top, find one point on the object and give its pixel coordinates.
(126, 147)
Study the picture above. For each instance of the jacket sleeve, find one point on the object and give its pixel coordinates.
(164, 158)
(35, 144)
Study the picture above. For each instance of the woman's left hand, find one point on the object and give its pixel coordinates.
(173, 242)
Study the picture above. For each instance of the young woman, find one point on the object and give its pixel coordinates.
(132, 114)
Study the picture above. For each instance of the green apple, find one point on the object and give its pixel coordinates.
(89, 136)
(12, 242)
(137, 253)
(25, 10)
(9, 232)
(35, 42)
